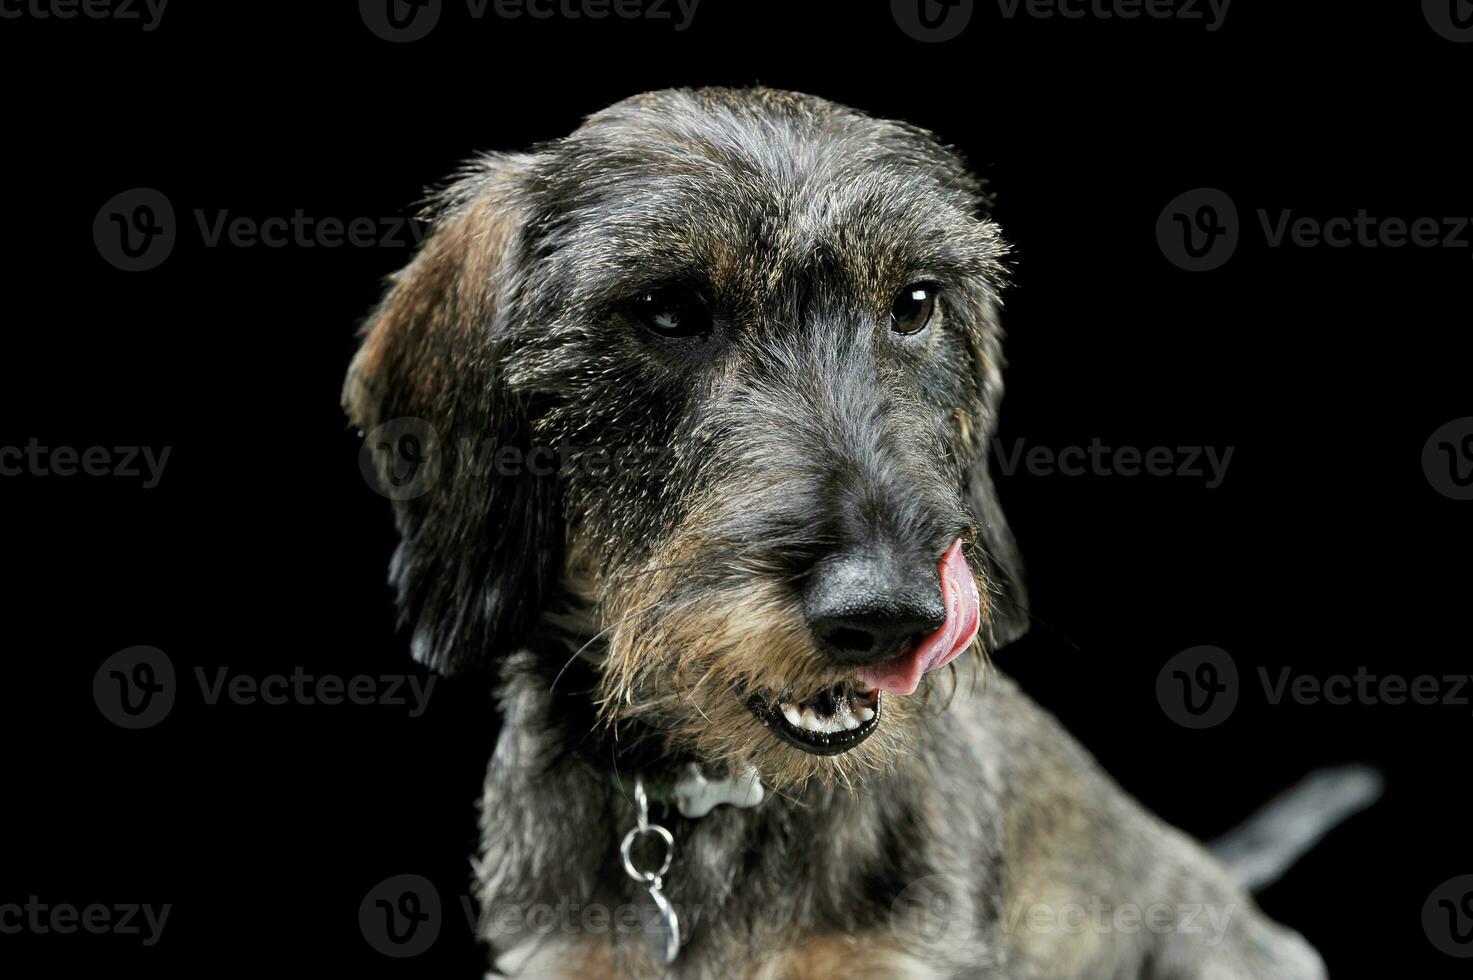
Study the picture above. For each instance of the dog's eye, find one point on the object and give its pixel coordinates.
(672, 313)
(913, 308)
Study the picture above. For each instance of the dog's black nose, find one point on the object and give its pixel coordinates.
(864, 610)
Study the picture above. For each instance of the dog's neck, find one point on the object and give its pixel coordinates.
(553, 814)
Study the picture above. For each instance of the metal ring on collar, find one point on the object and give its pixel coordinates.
(628, 843)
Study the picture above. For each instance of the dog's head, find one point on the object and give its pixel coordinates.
(722, 366)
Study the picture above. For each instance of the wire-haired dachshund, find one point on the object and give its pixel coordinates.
(699, 400)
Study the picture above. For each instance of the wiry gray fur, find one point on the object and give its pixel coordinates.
(627, 612)
(1000, 818)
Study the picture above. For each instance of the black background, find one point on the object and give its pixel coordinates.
(263, 548)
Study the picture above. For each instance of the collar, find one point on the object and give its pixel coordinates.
(693, 794)
(666, 781)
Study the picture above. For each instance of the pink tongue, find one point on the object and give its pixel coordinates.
(959, 592)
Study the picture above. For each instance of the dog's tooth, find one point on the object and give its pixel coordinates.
(865, 714)
(810, 720)
(848, 720)
(791, 713)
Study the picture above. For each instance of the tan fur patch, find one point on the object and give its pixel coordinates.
(964, 425)
(426, 325)
(850, 957)
(821, 958)
(561, 959)
(687, 666)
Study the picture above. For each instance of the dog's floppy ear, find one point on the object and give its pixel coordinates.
(480, 542)
(995, 548)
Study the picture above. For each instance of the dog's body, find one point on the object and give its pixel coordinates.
(762, 332)
(1002, 852)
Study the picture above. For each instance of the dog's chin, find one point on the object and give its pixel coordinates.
(841, 737)
(833, 722)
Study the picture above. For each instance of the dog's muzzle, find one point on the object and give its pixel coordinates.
(891, 637)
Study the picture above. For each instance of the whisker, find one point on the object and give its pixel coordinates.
(594, 639)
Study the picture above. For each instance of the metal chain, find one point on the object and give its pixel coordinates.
(653, 881)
